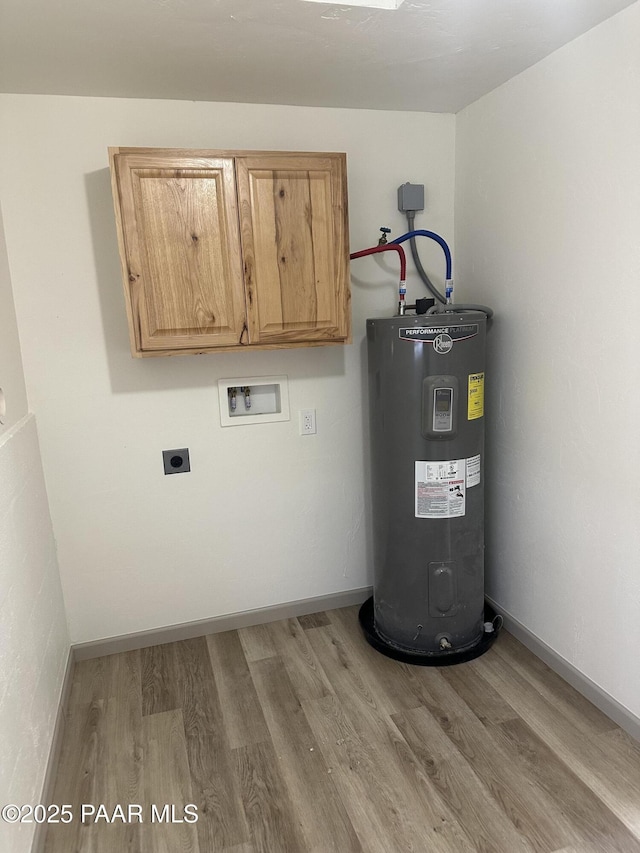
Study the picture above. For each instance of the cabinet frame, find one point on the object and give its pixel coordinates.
(246, 295)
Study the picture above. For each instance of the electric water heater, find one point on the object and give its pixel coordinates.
(426, 398)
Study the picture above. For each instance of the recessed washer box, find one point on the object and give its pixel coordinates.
(266, 401)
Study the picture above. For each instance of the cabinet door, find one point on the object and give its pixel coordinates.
(179, 234)
(294, 243)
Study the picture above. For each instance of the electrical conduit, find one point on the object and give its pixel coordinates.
(448, 299)
(433, 236)
(433, 290)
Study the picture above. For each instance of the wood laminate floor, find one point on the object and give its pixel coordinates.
(296, 736)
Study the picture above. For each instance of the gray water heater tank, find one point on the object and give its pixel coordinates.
(426, 398)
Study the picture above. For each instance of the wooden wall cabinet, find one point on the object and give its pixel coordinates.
(229, 250)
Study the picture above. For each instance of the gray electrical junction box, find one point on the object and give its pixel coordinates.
(410, 197)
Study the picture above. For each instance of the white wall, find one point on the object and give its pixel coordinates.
(13, 396)
(265, 516)
(547, 230)
(33, 631)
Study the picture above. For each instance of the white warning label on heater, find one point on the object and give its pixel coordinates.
(440, 488)
(473, 471)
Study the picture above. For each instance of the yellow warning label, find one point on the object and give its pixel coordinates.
(475, 407)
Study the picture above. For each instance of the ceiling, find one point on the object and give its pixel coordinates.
(433, 55)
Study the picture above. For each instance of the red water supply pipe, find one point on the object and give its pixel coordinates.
(402, 289)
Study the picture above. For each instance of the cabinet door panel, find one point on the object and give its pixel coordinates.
(180, 227)
(292, 220)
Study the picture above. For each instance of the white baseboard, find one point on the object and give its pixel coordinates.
(589, 689)
(37, 845)
(229, 622)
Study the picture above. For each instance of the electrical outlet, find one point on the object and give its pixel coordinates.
(176, 461)
(307, 422)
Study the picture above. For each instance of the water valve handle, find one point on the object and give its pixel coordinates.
(383, 240)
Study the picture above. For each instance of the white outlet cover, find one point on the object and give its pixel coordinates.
(307, 416)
